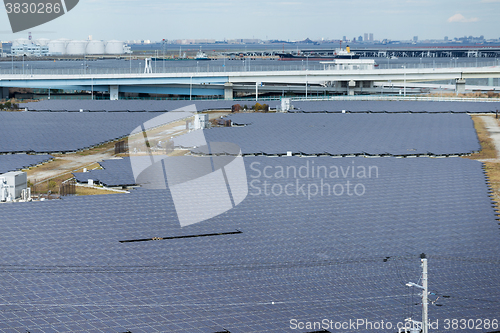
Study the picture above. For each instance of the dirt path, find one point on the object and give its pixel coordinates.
(67, 163)
(491, 125)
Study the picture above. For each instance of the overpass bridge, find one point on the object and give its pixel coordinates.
(328, 80)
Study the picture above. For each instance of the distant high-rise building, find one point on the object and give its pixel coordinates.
(343, 38)
(366, 37)
(445, 38)
(360, 38)
(415, 38)
(371, 37)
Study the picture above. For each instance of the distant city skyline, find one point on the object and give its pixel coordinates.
(269, 20)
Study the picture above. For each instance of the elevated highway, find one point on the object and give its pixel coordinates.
(326, 80)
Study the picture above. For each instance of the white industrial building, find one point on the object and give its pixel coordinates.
(62, 46)
(28, 48)
(14, 185)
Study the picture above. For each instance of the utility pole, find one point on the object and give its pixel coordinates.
(425, 300)
(425, 293)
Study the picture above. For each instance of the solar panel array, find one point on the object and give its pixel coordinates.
(394, 106)
(134, 105)
(340, 257)
(344, 134)
(299, 106)
(46, 132)
(15, 162)
(116, 172)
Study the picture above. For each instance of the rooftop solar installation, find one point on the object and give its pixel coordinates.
(116, 172)
(281, 257)
(344, 134)
(15, 162)
(46, 132)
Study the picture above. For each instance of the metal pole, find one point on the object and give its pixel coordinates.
(404, 86)
(425, 314)
(306, 85)
(190, 87)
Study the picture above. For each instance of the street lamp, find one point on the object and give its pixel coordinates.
(404, 84)
(190, 87)
(306, 85)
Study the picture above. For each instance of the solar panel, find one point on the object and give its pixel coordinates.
(345, 134)
(394, 106)
(297, 257)
(335, 106)
(135, 105)
(117, 172)
(15, 162)
(45, 132)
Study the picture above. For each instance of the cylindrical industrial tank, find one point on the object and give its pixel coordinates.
(42, 41)
(96, 47)
(114, 47)
(20, 41)
(57, 47)
(76, 47)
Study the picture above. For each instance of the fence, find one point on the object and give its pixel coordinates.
(121, 147)
(206, 67)
(67, 188)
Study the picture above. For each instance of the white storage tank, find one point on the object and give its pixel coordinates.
(42, 41)
(114, 47)
(57, 47)
(76, 47)
(96, 47)
(20, 41)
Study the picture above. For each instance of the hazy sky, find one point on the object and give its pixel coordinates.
(269, 19)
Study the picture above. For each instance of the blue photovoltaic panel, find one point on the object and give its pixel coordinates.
(394, 106)
(299, 106)
(47, 132)
(16, 162)
(340, 256)
(135, 105)
(344, 134)
(116, 172)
